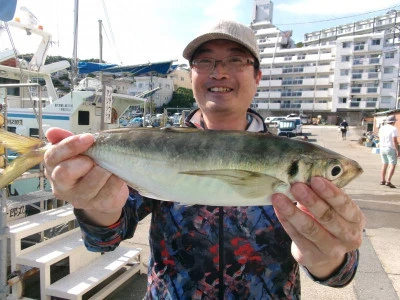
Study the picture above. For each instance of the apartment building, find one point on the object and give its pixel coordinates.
(349, 71)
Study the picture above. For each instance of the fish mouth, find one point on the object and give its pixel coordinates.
(219, 89)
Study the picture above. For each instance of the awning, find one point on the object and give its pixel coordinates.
(90, 67)
(7, 9)
(135, 70)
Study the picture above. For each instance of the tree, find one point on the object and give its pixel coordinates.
(181, 98)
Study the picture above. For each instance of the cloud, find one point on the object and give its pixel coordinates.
(336, 8)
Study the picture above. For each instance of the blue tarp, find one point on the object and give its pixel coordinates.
(7, 9)
(90, 67)
(136, 70)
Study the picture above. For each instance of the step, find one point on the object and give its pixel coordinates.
(22, 228)
(29, 198)
(43, 255)
(16, 205)
(76, 284)
(38, 222)
(52, 250)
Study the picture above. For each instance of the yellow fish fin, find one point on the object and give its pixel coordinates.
(246, 183)
(19, 143)
(20, 165)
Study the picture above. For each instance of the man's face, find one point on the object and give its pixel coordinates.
(221, 92)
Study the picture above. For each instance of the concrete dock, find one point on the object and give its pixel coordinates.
(378, 275)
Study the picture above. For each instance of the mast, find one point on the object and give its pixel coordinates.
(75, 49)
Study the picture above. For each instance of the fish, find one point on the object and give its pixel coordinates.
(193, 166)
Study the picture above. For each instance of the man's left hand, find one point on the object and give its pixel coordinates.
(324, 225)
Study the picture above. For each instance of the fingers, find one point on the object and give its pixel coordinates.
(77, 179)
(324, 215)
(54, 134)
(66, 148)
(300, 225)
(326, 202)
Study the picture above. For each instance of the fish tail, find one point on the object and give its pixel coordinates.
(32, 151)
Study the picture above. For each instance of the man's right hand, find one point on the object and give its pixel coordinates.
(77, 179)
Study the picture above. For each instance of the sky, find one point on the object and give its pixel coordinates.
(142, 31)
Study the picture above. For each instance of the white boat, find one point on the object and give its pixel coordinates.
(79, 111)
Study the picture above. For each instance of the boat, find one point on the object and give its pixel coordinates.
(80, 110)
(30, 105)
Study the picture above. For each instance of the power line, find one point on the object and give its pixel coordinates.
(111, 31)
(339, 18)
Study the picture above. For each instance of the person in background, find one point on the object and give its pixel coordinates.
(344, 126)
(215, 252)
(388, 150)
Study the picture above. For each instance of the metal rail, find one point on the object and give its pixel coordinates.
(4, 289)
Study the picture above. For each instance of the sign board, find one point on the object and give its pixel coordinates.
(3, 93)
(108, 105)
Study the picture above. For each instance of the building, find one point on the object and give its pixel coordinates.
(349, 71)
(181, 77)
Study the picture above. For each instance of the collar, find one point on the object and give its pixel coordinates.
(255, 122)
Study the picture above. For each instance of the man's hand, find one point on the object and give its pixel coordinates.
(324, 225)
(77, 179)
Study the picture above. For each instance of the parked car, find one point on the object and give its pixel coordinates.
(299, 124)
(273, 121)
(287, 128)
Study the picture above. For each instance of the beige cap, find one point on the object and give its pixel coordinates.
(225, 30)
(391, 119)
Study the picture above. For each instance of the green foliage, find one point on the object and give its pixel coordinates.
(53, 59)
(181, 98)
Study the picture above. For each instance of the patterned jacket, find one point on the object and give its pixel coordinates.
(212, 252)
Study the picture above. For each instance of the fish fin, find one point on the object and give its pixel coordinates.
(19, 143)
(20, 165)
(181, 129)
(143, 192)
(246, 183)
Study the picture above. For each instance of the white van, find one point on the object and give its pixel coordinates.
(273, 121)
(299, 124)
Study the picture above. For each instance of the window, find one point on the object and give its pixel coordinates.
(389, 55)
(34, 132)
(346, 44)
(342, 100)
(358, 60)
(386, 100)
(387, 85)
(355, 102)
(345, 58)
(344, 72)
(343, 86)
(388, 70)
(83, 117)
(376, 42)
(358, 46)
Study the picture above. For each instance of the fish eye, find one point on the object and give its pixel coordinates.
(334, 171)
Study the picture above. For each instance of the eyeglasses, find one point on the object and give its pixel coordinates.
(232, 64)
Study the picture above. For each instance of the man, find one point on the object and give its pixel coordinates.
(389, 150)
(214, 252)
(344, 126)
